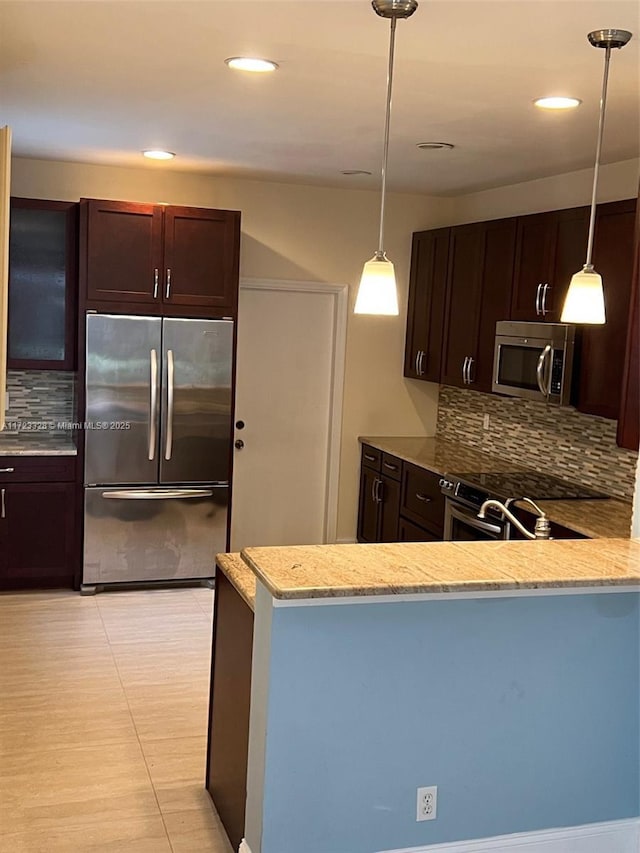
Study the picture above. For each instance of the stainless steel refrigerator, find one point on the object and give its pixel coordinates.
(157, 448)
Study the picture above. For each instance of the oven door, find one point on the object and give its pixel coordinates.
(462, 524)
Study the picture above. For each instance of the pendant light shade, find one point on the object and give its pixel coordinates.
(584, 302)
(585, 299)
(378, 293)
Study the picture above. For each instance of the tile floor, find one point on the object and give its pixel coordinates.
(103, 717)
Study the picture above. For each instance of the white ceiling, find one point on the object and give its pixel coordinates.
(98, 81)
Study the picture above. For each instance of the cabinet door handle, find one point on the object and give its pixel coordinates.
(544, 299)
(7, 470)
(390, 466)
(379, 491)
(369, 457)
(464, 370)
(155, 283)
(418, 363)
(421, 366)
(3, 514)
(538, 308)
(423, 498)
(167, 291)
(373, 490)
(469, 366)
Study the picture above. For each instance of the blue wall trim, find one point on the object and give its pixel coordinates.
(524, 712)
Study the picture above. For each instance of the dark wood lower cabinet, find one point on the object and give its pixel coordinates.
(399, 502)
(37, 534)
(410, 532)
(229, 704)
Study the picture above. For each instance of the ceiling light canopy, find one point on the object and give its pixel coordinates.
(251, 63)
(584, 302)
(557, 102)
(378, 293)
(157, 154)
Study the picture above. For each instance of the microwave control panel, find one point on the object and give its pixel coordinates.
(557, 365)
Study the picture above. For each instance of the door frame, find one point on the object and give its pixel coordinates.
(340, 294)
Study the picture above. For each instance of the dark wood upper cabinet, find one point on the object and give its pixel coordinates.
(200, 257)
(603, 347)
(462, 313)
(629, 420)
(43, 255)
(159, 259)
(123, 251)
(425, 314)
(550, 248)
(481, 260)
(497, 276)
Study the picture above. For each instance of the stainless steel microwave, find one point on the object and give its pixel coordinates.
(534, 361)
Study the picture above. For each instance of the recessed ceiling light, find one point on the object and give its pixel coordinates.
(250, 63)
(355, 172)
(156, 154)
(557, 103)
(435, 146)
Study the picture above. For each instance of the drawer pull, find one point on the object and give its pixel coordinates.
(7, 470)
(390, 466)
(423, 498)
(369, 458)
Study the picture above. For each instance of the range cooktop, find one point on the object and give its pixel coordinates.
(530, 484)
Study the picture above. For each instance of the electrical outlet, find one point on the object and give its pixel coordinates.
(486, 422)
(427, 805)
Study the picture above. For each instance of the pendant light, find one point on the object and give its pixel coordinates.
(585, 298)
(378, 293)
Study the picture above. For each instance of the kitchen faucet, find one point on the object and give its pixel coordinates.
(542, 528)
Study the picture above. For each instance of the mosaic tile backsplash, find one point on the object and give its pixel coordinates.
(559, 441)
(39, 396)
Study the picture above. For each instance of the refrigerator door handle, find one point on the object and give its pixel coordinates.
(153, 404)
(168, 448)
(156, 494)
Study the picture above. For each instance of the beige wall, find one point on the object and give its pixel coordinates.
(616, 181)
(304, 233)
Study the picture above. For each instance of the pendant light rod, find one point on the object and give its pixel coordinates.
(387, 124)
(603, 105)
(607, 39)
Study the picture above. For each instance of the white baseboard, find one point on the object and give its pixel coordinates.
(619, 836)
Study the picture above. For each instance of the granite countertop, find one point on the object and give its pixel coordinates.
(240, 575)
(439, 455)
(332, 571)
(608, 518)
(36, 444)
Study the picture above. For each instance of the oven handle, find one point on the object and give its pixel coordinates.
(471, 519)
(540, 371)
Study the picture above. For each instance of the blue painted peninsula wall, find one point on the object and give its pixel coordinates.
(522, 710)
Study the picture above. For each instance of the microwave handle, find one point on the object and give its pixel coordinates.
(540, 371)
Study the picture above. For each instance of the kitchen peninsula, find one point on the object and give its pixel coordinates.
(484, 666)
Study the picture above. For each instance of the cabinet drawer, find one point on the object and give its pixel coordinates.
(410, 532)
(422, 501)
(371, 457)
(37, 469)
(391, 466)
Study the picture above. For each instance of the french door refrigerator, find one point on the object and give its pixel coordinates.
(157, 448)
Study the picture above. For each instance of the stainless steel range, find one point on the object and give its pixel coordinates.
(466, 493)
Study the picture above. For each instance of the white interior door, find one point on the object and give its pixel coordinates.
(290, 366)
